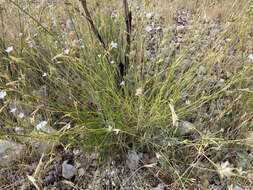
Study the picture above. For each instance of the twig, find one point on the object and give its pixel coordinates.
(128, 21)
(89, 19)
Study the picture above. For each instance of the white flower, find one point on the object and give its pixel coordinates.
(225, 170)
(21, 115)
(149, 15)
(250, 56)
(44, 74)
(99, 55)
(139, 92)
(13, 110)
(41, 125)
(159, 28)
(112, 62)
(114, 45)
(9, 49)
(114, 15)
(66, 51)
(76, 151)
(18, 130)
(122, 83)
(148, 29)
(110, 128)
(158, 156)
(2, 94)
(188, 102)
(116, 131)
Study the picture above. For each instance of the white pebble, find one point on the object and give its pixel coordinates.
(68, 170)
(3, 94)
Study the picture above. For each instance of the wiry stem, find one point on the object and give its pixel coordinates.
(89, 19)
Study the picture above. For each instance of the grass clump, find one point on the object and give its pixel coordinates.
(64, 74)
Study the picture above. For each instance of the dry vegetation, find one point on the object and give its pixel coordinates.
(82, 107)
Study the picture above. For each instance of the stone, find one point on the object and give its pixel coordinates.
(19, 110)
(159, 187)
(185, 128)
(81, 172)
(68, 170)
(10, 151)
(42, 92)
(237, 187)
(132, 160)
(43, 146)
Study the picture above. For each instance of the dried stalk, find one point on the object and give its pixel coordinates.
(89, 19)
(128, 21)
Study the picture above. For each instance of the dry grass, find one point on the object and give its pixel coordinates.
(189, 101)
